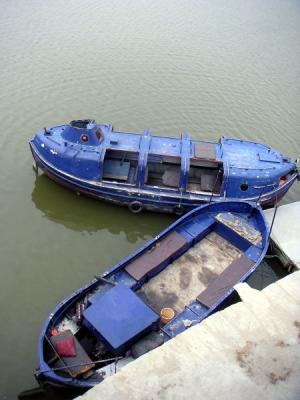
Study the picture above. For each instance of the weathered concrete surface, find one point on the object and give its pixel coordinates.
(286, 230)
(250, 350)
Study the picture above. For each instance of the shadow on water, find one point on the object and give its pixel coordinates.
(50, 393)
(80, 213)
(269, 271)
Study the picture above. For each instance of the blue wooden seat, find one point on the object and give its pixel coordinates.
(113, 169)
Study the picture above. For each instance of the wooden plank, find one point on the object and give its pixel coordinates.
(206, 151)
(154, 257)
(171, 160)
(226, 280)
(199, 162)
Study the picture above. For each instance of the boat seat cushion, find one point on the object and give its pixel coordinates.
(156, 256)
(81, 356)
(225, 281)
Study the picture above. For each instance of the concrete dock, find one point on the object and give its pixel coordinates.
(250, 350)
(285, 233)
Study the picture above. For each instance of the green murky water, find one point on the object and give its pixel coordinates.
(210, 68)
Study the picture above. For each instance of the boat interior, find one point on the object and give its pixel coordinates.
(187, 270)
(120, 166)
(182, 281)
(162, 171)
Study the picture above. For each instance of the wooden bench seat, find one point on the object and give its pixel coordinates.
(205, 151)
(154, 257)
(225, 281)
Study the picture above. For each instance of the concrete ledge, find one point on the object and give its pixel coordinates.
(286, 232)
(250, 350)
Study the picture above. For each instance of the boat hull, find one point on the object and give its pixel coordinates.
(138, 199)
(192, 229)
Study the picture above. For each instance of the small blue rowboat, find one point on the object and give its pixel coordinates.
(173, 282)
(160, 173)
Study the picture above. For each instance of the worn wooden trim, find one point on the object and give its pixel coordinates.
(225, 281)
(205, 151)
(154, 257)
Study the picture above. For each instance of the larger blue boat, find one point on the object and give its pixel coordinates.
(160, 173)
(190, 268)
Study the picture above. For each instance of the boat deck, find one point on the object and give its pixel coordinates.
(183, 280)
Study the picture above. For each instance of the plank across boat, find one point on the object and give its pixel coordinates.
(190, 268)
(158, 173)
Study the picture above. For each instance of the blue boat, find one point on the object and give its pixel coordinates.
(160, 173)
(171, 283)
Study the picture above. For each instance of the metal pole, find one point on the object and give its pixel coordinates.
(213, 189)
(257, 202)
(79, 365)
(273, 219)
(54, 349)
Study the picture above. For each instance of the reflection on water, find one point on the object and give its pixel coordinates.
(80, 213)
